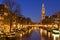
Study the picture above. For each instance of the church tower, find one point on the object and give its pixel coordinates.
(43, 12)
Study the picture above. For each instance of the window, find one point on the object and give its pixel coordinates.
(6, 14)
(1, 10)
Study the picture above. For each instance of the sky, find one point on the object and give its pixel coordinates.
(32, 8)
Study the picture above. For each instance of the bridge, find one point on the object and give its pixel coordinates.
(43, 29)
(41, 25)
(46, 29)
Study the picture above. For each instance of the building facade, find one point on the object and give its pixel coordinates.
(4, 18)
(10, 21)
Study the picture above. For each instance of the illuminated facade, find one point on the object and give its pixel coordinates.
(4, 21)
(10, 21)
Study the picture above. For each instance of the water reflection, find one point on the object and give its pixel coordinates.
(33, 36)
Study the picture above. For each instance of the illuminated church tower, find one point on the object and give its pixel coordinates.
(43, 12)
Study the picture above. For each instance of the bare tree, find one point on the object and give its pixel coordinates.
(18, 10)
(13, 7)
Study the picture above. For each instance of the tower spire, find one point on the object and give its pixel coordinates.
(43, 11)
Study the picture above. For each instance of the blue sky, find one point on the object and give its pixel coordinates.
(32, 8)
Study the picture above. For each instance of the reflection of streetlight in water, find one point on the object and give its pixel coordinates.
(41, 31)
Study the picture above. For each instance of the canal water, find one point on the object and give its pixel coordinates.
(35, 35)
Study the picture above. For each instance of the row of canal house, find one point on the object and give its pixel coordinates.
(9, 20)
(53, 20)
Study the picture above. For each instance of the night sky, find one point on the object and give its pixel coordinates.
(32, 8)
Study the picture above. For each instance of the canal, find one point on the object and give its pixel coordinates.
(33, 35)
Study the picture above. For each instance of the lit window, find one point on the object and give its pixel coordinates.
(1, 18)
(1, 10)
(5, 13)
